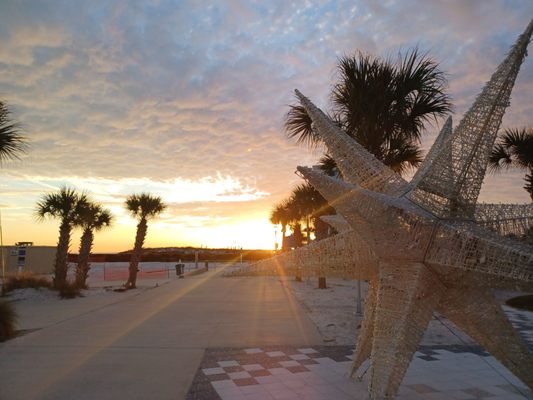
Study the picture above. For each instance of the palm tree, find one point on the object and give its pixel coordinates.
(382, 105)
(142, 206)
(91, 219)
(280, 215)
(66, 205)
(12, 143)
(515, 150)
(308, 202)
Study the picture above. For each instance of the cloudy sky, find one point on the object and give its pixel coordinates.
(186, 100)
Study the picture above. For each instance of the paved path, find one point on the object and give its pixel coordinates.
(149, 345)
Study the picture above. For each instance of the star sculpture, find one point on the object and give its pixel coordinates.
(424, 245)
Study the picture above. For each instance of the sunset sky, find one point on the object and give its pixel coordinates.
(186, 100)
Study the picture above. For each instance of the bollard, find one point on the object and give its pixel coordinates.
(179, 270)
(322, 282)
(207, 266)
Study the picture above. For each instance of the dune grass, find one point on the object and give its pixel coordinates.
(25, 280)
(8, 319)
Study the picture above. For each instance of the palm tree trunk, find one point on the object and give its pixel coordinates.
(283, 232)
(142, 228)
(82, 270)
(60, 267)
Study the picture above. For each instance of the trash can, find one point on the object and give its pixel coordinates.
(179, 270)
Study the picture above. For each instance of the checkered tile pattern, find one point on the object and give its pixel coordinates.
(320, 372)
(452, 372)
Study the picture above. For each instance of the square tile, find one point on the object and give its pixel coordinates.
(297, 369)
(267, 379)
(245, 381)
(278, 371)
(253, 351)
(252, 367)
(275, 354)
(307, 350)
(223, 384)
(213, 371)
(239, 375)
(260, 372)
(237, 368)
(299, 357)
(228, 363)
(291, 363)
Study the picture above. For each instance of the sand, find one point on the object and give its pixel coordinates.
(333, 310)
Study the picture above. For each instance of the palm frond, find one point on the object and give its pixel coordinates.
(12, 143)
(300, 126)
(64, 204)
(514, 149)
(402, 156)
(145, 205)
(329, 166)
(500, 158)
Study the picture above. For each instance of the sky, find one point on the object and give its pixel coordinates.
(186, 100)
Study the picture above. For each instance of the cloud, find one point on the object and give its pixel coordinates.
(166, 92)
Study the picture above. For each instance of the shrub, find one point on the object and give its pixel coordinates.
(69, 291)
(521, 302)
(8, 318)
(25, 280)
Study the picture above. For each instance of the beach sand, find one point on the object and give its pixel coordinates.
(333, 310)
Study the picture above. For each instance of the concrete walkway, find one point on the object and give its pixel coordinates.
(149, 345)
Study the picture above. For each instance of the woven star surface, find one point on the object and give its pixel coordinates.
(424, 245)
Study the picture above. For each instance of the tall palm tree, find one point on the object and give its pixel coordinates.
(306, 204)
(142, 206)
(92, 218)
(65, 205)
(12, 143)
(280, 215)
(307, 200)
(514, 149)
(382, 105)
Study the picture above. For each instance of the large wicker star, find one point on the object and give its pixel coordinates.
(425, 245)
